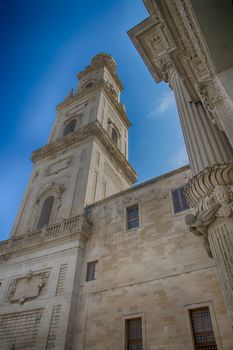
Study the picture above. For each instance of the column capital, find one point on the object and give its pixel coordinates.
(210, 193)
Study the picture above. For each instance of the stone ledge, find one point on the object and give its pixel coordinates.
(90, 130)
(77, 225)
(98, 86)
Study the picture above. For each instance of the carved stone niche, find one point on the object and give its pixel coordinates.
(27, 287)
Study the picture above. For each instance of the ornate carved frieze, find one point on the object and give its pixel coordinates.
(27, 287)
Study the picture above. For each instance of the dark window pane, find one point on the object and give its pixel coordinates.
(46, 212)
(132, 217)
(69, 127)
(91, 271)
(202, 329)
(114, 137)
(134, 334)
(88, 85)
(179, 201)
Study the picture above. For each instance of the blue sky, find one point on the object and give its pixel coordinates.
(43, 45)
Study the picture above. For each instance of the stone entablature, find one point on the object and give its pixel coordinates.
(78, 226)
(93, 129)
(171, 38)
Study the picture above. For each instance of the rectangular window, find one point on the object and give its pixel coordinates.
(91, 271)
(202, 329)
(132, 213)
(179, 201)
(134, 334)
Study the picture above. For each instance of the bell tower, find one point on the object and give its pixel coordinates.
(86, 158)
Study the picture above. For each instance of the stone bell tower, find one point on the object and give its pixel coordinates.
(85, 159)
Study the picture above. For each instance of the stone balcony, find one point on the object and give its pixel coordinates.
(75, 227)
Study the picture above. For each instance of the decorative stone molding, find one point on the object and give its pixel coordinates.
(93, 129)
(53, 188)
(202, 186)
(211, 194)
(207, 103)
(28, 287)
(223, 96)
(219, 204)
(98, 86)
(57, 167)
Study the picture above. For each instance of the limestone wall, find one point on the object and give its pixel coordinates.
(157, 271)
(38, 293)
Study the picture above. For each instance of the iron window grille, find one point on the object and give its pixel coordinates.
(134, 334)
(202, 329)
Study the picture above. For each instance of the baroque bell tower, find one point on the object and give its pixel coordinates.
(84, 161)
(86, 158)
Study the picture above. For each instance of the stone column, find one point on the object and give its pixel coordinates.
(211, 194)
(205, 142)
(210, 191)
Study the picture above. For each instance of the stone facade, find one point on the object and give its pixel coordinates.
(155, 271)
(181, 47)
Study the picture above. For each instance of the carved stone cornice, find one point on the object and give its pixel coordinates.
(78, 227)
(93, 129)
(172, 34)
(98, 86)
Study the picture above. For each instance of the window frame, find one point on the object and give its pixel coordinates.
(188, 323)
(114, 136)
(125, 318)
(95, 262)
(126, 216)
(52, 190)
(172, 205)
(72, 119)
(41, 210)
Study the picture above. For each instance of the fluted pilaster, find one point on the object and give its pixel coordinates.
(220, 235)
(206, 144)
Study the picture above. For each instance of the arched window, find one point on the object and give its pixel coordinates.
(69, 127)
(114, 136)
(46, 212)
(88, 85)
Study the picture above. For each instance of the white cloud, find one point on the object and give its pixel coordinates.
(179, 158)
(165, 103)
